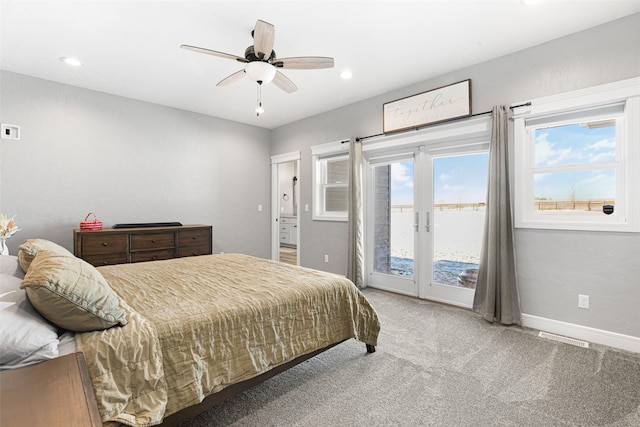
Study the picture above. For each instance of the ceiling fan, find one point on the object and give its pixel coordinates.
(262, 63)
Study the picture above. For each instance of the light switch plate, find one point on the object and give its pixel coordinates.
(10, 132)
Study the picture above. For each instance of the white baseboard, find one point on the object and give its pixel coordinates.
(597, 336)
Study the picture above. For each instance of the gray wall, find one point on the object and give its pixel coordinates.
(553, 266)
(128, 161)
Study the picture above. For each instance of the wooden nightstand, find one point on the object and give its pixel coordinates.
(57, 392)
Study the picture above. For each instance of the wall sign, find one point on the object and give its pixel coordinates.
(429, 107)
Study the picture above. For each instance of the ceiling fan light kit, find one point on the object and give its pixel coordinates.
(260, 72)
(262, 64)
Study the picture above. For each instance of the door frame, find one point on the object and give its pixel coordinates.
(465, 134)
(276, 160)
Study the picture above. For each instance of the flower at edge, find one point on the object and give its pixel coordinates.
(8, 226)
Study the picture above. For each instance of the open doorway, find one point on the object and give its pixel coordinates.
(285, 190)
(289, 195)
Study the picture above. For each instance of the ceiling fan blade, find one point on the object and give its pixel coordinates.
(232, 78)
(304, 63)
(284, 83)
(263, 37)
(213, 52)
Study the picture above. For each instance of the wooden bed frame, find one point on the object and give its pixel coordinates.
(234, 389)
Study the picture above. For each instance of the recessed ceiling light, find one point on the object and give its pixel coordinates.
(346, 74)
(74, 62)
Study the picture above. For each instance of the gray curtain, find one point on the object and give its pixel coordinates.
(496, 297)
(355, 241)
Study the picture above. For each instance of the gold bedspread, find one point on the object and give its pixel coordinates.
(199, 324)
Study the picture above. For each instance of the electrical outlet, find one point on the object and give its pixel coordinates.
(326, 258)
(583, 301)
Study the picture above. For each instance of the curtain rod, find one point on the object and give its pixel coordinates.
(417, 128)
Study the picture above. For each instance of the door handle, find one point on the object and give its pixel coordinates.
(416, 221)
(427, 225)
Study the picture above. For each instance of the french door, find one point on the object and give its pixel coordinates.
(425, 219)
(390, 223)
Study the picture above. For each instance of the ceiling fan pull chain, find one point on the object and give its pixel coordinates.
(259, 109)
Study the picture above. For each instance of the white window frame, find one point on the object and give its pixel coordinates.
(319, 155)
(585, 103)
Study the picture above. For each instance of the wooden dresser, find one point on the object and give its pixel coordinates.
(125, 245)
(57, 392)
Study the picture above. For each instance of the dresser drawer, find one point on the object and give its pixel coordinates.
(194, 250)
(152, 255)
(106, 259)
(192, 238)
(143, 242)
(104, 244)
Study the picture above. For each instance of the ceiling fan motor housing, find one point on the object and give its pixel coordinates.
(251, 56)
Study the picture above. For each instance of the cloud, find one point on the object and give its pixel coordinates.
(603, 144)
(454, 188)
(547, 154)
(400, 176)
(602, 157)
(597, 178)
(537, 177)
(444, 177)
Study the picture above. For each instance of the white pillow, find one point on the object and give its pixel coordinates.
(9, 265)
(25, 336)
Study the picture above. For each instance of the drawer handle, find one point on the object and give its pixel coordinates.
(194, 237)
(195, 254)
(153, 240)
(154, 257)
(105, 244)
(104, 262)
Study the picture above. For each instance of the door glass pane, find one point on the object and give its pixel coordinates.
(394, 216)
(460, 187)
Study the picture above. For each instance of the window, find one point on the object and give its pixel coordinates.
(331, 181)
(573, 160)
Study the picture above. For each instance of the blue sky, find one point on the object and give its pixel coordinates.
(463, 179)
(574, 145)
(456, 179)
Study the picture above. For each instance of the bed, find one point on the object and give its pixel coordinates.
(172, 338)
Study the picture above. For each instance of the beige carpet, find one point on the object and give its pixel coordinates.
(442, 366)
